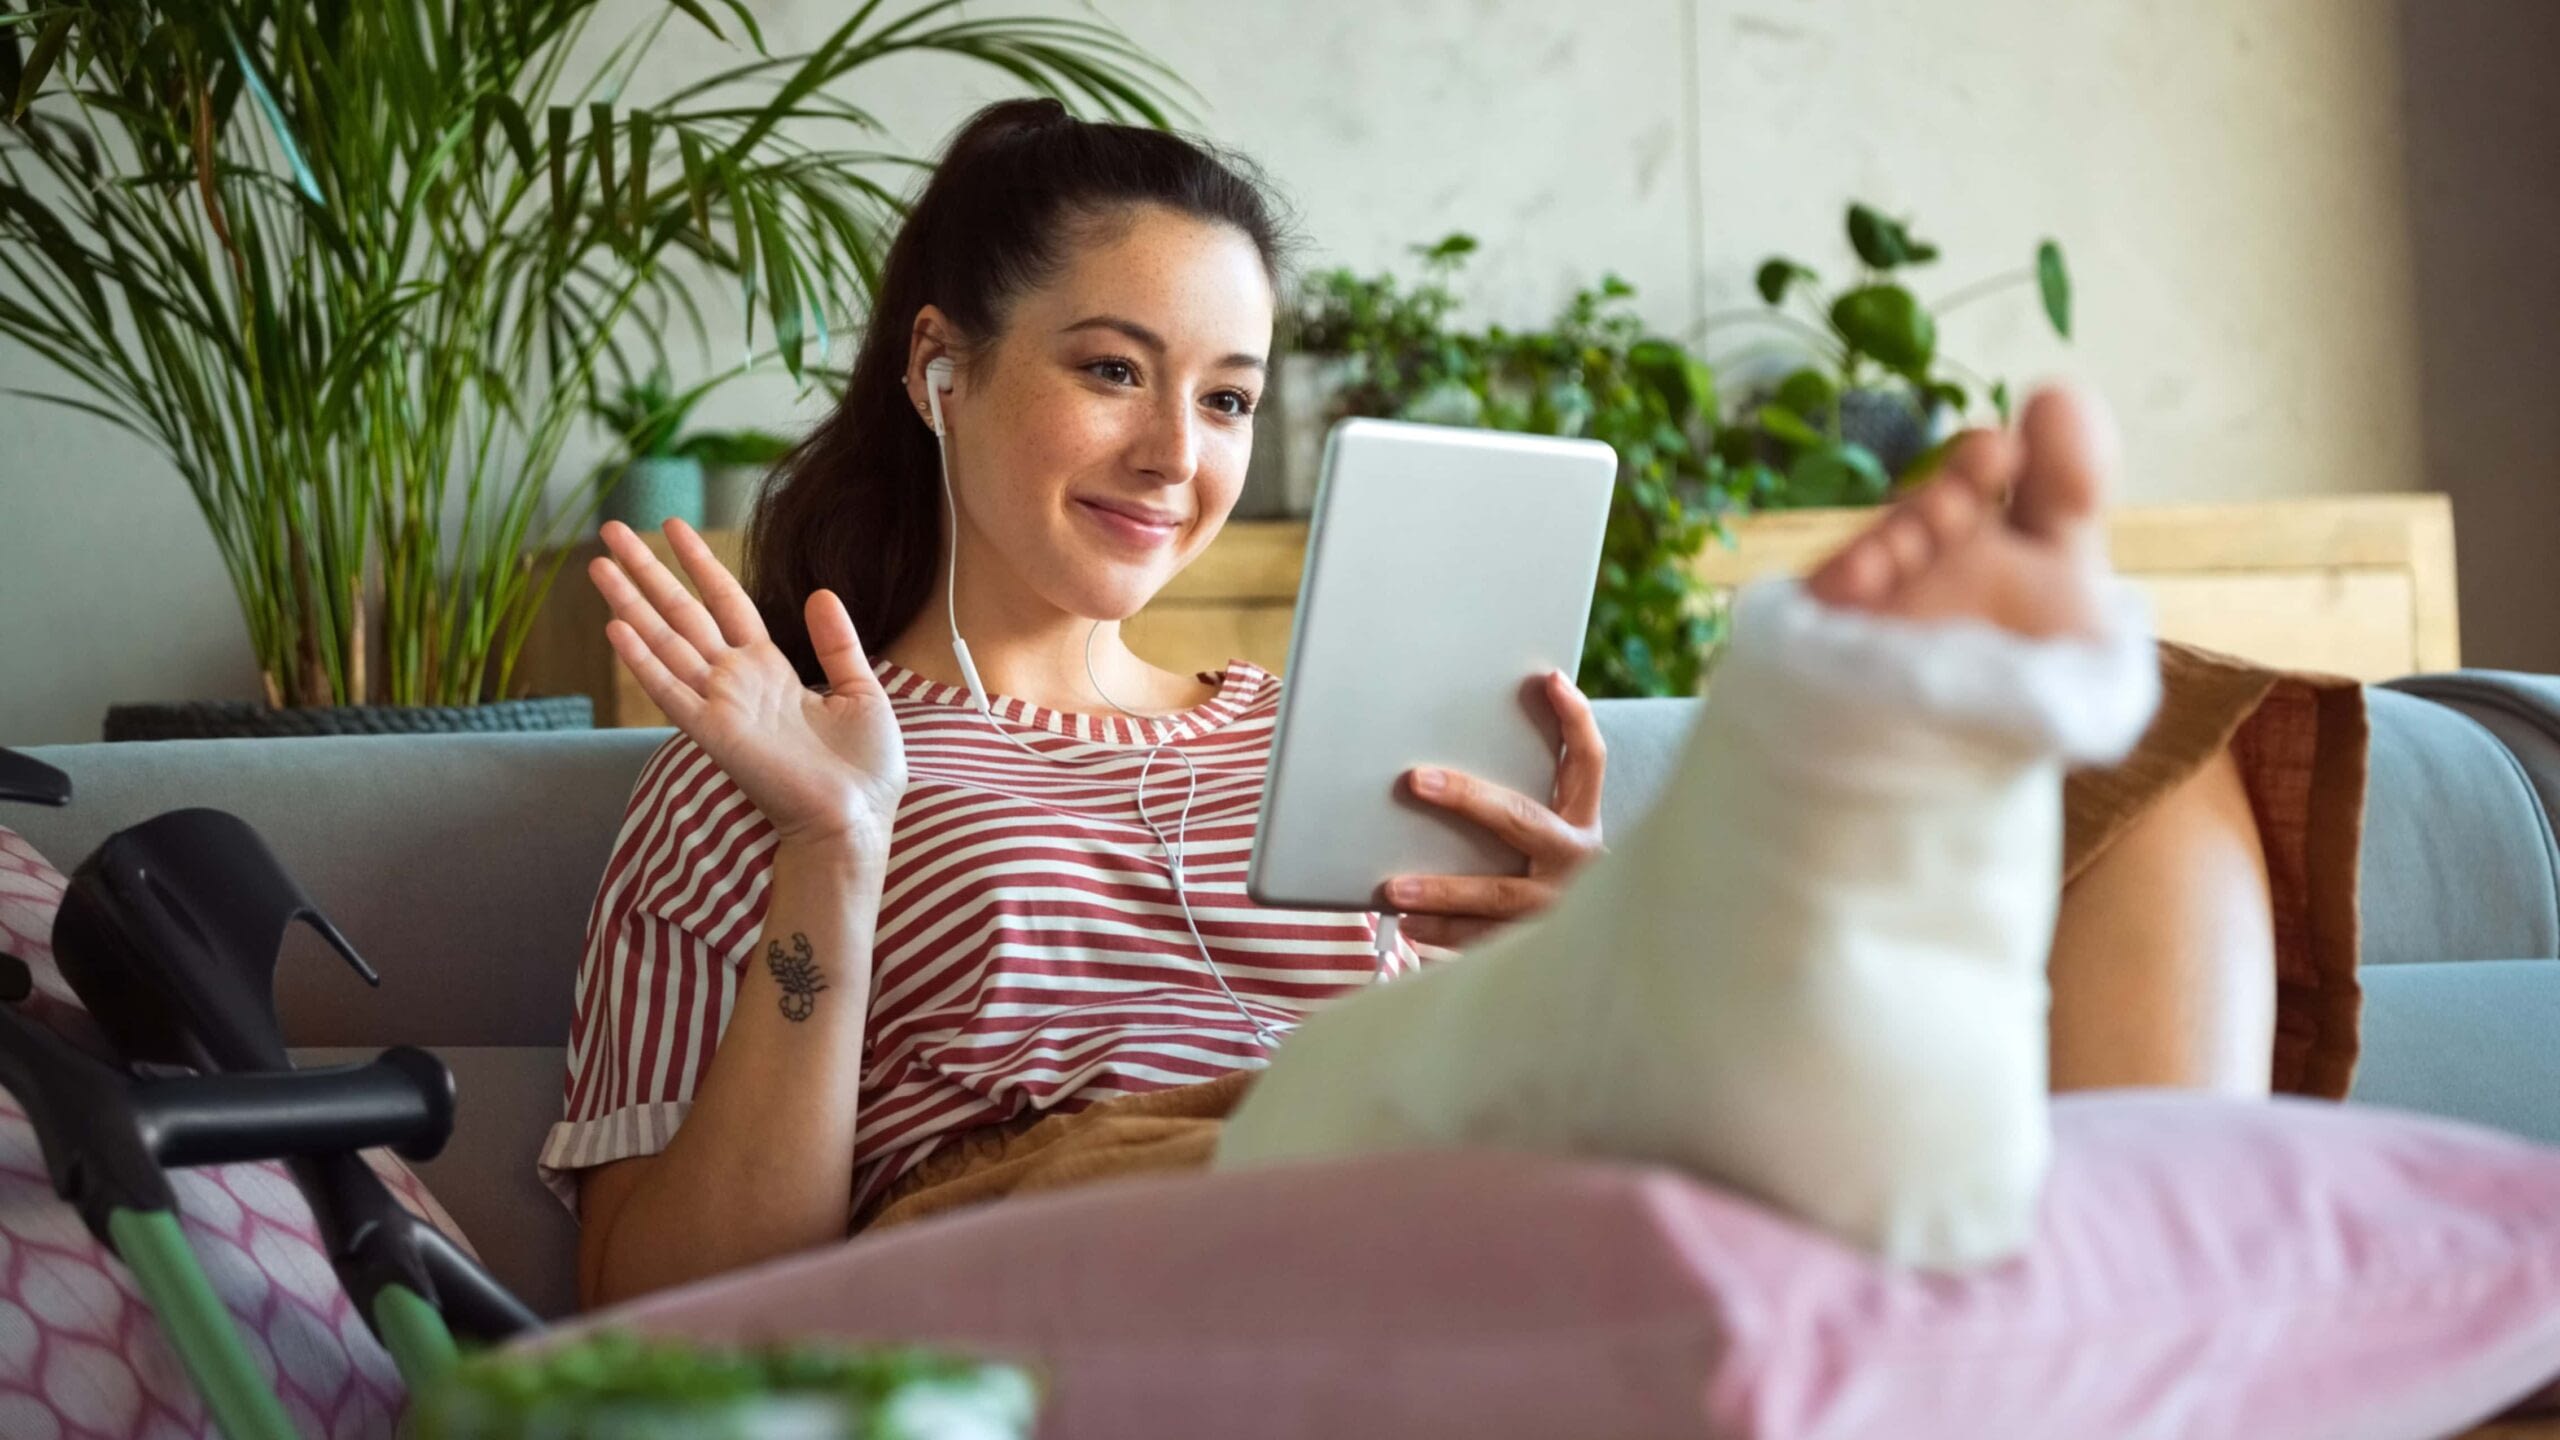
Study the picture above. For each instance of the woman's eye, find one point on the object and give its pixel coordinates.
(1234, 404)
(1119, 372)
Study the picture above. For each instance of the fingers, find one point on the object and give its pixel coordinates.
(839, 649)
(1586, 755)
(1494, 897)
(664, 592)
(678, 701)
(1445, 932)
(728, 601)
(685, 665)
(1522, 823)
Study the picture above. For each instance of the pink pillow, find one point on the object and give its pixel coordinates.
(2203, 1267)
(80, 1355)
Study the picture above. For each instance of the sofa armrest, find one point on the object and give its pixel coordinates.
(2459, 861)
(2475, 1040)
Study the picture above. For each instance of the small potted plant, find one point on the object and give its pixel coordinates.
(1360, 345)
(1878, 397)
(734, 465)
(1391, 349)
(656, 480)
(617, 1386)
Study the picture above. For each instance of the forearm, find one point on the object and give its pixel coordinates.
(763, 1164)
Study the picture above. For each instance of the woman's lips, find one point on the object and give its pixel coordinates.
(1127, 527)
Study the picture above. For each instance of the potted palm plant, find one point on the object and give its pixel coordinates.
(356, 269)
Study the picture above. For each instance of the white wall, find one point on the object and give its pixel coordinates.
(2227, 178)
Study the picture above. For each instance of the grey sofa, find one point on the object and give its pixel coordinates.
(463, 868)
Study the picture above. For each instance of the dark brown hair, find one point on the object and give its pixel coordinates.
(857, 506)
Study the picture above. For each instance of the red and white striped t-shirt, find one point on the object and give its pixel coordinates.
(1030, 952)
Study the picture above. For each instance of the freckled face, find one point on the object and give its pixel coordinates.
(1098, 445)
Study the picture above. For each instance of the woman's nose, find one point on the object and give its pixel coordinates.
(1169, 449)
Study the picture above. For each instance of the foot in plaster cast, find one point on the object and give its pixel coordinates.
(1815, 973)
(1951, 549)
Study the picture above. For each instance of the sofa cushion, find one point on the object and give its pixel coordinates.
(2203, 1267)
(80, 1352)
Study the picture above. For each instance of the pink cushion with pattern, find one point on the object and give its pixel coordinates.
(81, 1357)
(2203, 1268)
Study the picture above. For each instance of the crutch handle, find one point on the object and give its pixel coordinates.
(404, 1099)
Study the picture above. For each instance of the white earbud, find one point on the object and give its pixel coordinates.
(937, 380)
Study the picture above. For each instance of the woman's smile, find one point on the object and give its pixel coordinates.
(1125, 525)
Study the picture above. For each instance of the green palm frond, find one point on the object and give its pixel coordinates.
(339, 259)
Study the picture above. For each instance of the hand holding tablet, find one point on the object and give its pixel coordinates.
(1448, 572)
(1556, 834)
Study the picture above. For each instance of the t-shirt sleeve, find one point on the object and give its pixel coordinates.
(674, 920)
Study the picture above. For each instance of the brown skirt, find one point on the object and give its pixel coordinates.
(2299, 741)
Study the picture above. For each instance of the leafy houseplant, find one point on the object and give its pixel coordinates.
(1593, 373)
(1876, 399)
(333, 258)
(619, 1385)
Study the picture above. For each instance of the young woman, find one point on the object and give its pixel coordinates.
(863, 952)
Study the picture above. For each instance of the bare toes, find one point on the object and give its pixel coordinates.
(1952, 509)
(1905, 538)
(1858, 574)
(2069, 463)
(1982, 461)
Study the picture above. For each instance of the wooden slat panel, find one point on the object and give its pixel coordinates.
(2333, 552)
(2435, 612)
(2352, 622)
(1250, 560)
(2361, 585)
(2403, 531)
(1189, 638)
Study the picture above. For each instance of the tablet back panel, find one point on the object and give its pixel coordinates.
(1447, 570)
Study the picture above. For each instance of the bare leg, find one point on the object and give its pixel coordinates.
(1816, 973)
(2164, 958)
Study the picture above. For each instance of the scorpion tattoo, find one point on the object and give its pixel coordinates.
(797, 972)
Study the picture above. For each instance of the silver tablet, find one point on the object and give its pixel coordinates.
(1447, 570)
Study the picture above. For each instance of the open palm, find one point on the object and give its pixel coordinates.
(822, 768)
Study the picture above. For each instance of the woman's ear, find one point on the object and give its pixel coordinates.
(928, 340)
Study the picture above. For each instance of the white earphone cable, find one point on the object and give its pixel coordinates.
(937, 377)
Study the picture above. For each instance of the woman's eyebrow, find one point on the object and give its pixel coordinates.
(1155, 342)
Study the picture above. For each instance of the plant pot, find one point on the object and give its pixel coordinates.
(252, 719)
(729, 495)
(1892, 425)
(653, 488)
(1298, 409)
(1887, 422)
